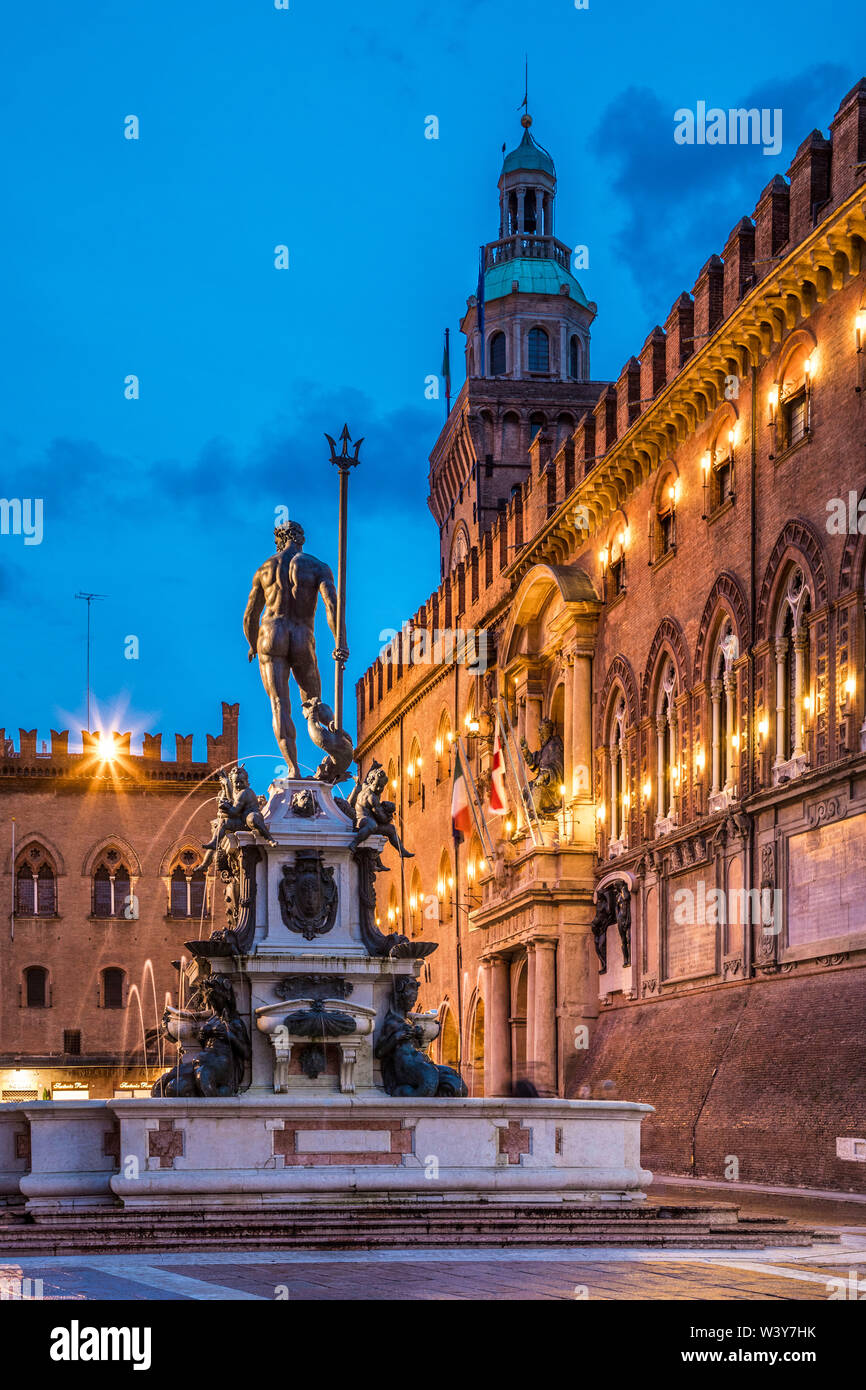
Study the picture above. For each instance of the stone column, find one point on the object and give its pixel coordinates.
(568, 725)
(716, 697)
(614, 818)
(730, 710)
(582, 725)
(661, 735)
(672, 759)
(530, 1005)
(623, 792)
(799, 674)
(781, 653)
(544, 1074)
(497, 1043)
(516, 364)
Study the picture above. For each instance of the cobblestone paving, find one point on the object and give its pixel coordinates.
(460, 1274)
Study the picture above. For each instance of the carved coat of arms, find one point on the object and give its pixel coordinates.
(308, 895)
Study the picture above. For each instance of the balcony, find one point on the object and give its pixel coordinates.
(542, 248)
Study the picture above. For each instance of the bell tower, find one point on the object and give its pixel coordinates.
(527, 331)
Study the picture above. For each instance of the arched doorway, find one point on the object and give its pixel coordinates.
(476, 1049)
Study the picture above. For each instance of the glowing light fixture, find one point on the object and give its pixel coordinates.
(859, 331)
(772, 404)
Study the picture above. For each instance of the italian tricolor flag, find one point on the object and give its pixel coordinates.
(498, 794)
(461, 816)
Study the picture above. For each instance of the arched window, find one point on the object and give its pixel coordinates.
(574, 357)
(498, 359)
(393, 781)
(444, 739)
(667, 746)
(664, 538)
(536, 423)
(111, 886)
(445, 887)
(413, 772)
(618, 795)
(793, 419)
(36, 987)
(112, 988)
(449, 1049)
(724, 732)
(793, 679)
(538, 350)
(719, 467)
(188, 884)
(35, 884)
(416, 903)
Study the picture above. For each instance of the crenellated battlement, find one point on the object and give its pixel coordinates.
(111, 754)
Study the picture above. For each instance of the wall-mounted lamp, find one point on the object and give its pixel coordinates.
(859, 331)
(763, 728)
(600, 814)
(603, 557)
(735, 740)
(647, 789)
(509, 826)
(808, 368)
(772, 404)
(700, 760)
(438, 747)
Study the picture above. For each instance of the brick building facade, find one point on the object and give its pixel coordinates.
(669, 567)
(100, 887)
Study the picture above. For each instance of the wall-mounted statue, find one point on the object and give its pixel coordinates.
(279, 625)
(237, 809)
(548, 764)
(216, 1067)
(372, 815)
(406, 1069)
(612, 905)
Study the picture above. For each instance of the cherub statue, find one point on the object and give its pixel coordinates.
(373, 816)
(237, 809)
(548, 764)
(216, 1067)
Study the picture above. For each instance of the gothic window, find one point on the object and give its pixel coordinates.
(793, 674)
(35, 884)
(539, 350)
(497, 355)
(667, 756)
(112, 988)
(413, 772)
(443, 748)
(187, 886)
(445, 886)
(722, 473)
(618, 797)
(663, 540)
(36, 987)
(617, 569)
(723, 700)
(574, 357)
(416, 903)
(111, 886)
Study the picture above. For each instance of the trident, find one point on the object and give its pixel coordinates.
(344, 461)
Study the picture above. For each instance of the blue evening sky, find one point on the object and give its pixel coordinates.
(306, 127)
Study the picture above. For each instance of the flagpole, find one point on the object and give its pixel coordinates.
(483, 834)
(447, 367)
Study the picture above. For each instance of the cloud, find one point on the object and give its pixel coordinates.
(681, 201)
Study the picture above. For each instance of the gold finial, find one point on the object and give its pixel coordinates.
(526, 121)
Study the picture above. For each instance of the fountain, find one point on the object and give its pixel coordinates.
(303, 1074)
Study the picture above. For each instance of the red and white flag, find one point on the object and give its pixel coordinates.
(461, 815)
(498, 793)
